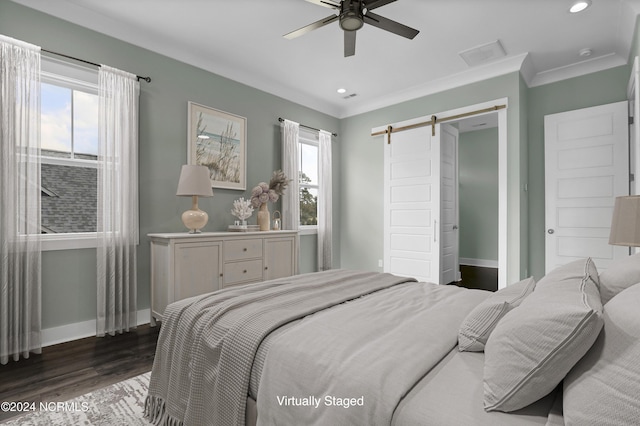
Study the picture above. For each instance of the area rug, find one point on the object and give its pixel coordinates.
(119, 404)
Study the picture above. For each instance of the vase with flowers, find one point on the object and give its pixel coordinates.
(264, 193)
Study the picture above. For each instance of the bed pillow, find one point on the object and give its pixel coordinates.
(480, 322)
(621, 274)
(603, 387)
(578, 269)
(534, 346)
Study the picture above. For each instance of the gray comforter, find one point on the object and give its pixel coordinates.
(354, 363)
(207, 344)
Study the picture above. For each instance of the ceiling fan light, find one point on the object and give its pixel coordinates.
(351, 21)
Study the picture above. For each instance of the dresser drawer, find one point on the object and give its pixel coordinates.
(238, 272)
(242, 249)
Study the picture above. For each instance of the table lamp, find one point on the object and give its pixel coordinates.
(194, 182)
(625, 225)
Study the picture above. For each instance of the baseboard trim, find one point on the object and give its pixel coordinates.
(484, 263)
(80, 330)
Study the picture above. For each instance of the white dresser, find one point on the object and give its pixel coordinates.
(185, 265)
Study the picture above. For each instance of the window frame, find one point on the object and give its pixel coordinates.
(80, 78)
(306, 137)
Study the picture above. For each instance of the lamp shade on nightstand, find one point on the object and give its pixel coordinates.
(194, 182)
(625, 225)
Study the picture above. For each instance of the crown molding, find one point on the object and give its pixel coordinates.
(589, 66)
(473, 75)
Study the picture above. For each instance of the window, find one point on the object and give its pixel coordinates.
(69, 149)
(69, 122)
(308, 180)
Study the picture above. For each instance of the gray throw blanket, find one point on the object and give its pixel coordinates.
(207, 344)
(353, 364)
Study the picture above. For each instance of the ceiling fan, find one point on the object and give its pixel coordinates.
(353, 15)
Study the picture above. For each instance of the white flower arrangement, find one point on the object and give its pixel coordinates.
(242, 209)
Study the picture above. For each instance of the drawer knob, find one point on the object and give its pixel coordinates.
(244, 249)
(266, 267)
(244, 272)
(221, 275)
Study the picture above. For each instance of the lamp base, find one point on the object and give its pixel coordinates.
(195, 219)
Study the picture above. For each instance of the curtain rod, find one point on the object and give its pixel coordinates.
(147, 79)
(280, 119)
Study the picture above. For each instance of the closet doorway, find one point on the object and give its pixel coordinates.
(419, 229)
(478, 200)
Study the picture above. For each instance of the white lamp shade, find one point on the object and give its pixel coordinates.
(625, 225)
(194, 180)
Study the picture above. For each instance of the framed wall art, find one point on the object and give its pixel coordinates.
(218, 140)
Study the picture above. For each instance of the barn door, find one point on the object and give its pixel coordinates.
(586, 167)
(450, 245)
(412, 204)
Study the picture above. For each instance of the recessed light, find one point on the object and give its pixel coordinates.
(579, 6)
(342, 90)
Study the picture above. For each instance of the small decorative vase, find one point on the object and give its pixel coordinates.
(264, 218)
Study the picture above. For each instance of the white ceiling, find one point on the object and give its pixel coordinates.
(242, 40)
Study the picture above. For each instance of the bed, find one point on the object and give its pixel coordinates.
(347, 347)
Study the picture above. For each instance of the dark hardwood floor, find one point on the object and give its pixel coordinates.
(478, 277)
(72, 369)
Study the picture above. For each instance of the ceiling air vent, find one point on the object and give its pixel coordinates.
(484, 53)
(353, 95)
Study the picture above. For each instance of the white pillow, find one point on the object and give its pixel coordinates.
(534, 346)
(621, 274)
(480, 322)
(603, 387)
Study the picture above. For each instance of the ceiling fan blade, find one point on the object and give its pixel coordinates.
(311, 27)
(349, 43)
(373, 4)
(389, 25)
(329, 4)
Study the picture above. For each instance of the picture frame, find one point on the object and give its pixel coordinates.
(218, 140)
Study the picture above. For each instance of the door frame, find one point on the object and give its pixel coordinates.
(633, 96)
(503, 218)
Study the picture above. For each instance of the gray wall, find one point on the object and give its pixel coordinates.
(361, 213)
(581, 92)
(635, 43)
(478, 194)
(68, 287)
(361, 201)
(68, 276)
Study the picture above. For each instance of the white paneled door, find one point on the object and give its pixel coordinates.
(586, 167)
(421, 204)
(412, 205)
(450, 258)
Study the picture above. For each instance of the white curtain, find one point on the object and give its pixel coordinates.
(325, 225)
(117, 200)
(20, 257)
(290, 167)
